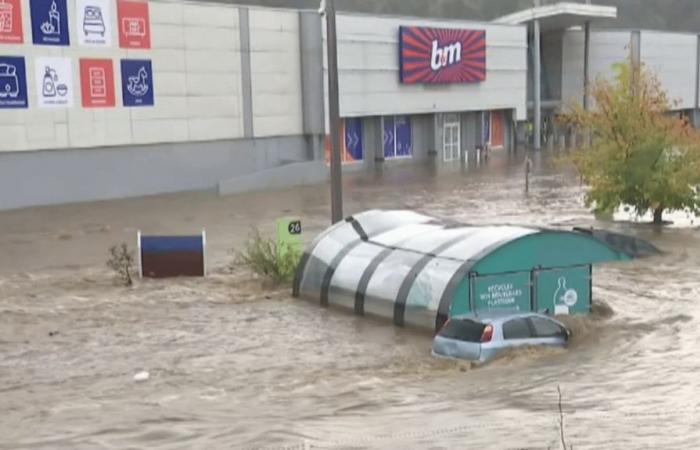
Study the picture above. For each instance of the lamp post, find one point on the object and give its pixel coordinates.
(328, 7)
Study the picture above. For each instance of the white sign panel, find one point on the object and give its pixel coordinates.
(94, 22)
(54, 82)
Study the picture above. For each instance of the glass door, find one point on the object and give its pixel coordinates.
(450, 140)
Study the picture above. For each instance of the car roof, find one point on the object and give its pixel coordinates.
(500, 317)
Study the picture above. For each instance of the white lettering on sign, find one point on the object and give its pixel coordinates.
(498, 295)
(446, 56)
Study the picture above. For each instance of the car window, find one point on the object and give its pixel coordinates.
(463, 330)
(546, 328)
(516, 329)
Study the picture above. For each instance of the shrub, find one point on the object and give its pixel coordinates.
(121, 260)
(269, 258)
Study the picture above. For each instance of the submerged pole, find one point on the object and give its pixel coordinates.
(334, 114)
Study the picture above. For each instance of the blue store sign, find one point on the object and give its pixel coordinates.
(49, 22)
(137, 82)
(13, 82)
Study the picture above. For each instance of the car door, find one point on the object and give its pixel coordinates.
(547, 332)
(517, 332)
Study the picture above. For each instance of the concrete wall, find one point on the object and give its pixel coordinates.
(672, 57)
(607, 48)
(61, 176)
(275, 72)
(368, 63)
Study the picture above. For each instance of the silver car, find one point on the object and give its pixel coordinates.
(480, 338)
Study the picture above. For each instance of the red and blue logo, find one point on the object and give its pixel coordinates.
(442, 55)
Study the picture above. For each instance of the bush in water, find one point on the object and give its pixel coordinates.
(121, 260)
(269, 258)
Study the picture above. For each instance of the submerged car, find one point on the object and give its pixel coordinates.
(481, 338)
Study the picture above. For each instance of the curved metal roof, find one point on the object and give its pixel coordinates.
(403, 260)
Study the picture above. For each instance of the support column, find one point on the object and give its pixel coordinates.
(586, 65)
(312, 101)
(537, 81)
(696, 111)
(246, 77)
(635, 56)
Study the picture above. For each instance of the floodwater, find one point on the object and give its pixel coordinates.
(237, 364)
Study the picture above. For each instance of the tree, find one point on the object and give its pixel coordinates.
(640, 153)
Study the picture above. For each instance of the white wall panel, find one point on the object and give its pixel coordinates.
(607, 49)
(195, 53)
(275, 62)
(368, 61)
(672, 56)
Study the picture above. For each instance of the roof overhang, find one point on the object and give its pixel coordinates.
(560, 16)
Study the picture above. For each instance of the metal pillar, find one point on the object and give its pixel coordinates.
(635, 58)
(696, 111)
(334, 114)
(586, 65)
(537, 81)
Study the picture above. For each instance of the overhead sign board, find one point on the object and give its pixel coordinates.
(13, 82)
(11, 22)
(94, 22)
(442, 55)
(54, 81)
(134, 24)
(49, 22)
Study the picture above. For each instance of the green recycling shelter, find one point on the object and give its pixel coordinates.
(418, 270)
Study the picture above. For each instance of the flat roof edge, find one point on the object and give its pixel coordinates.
(565, 8)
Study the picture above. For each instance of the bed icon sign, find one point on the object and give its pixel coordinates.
(93, 22)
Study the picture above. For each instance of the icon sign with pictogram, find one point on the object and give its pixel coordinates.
(13, 82)
(97, 83)
(49, 22)
(134, 24)
(137, 82)
(11, 22)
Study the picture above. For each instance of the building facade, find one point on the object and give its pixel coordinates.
(118, 98)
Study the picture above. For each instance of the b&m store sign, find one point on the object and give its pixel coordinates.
(442, 55)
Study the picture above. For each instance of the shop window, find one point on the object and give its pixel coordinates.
(351, 137)
(398, 142)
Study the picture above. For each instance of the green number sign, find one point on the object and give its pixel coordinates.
(564, 291)
(504, 292)
(289, 234)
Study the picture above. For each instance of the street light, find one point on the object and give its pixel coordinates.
(328, 8)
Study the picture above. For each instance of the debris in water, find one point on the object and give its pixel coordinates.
(142, 376)
(53, 333)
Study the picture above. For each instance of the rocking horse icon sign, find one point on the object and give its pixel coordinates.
(137, 82)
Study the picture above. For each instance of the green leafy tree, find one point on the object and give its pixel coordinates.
(640, 153)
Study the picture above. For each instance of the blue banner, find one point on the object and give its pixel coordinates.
(404, 145)
(353, 140)
(137, 82)
(13, 82)
(389, 137)
(49, 22)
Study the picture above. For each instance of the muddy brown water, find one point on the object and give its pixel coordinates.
(234, 364)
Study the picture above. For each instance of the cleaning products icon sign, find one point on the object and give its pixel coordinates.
(54, 76)
(49, 22)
